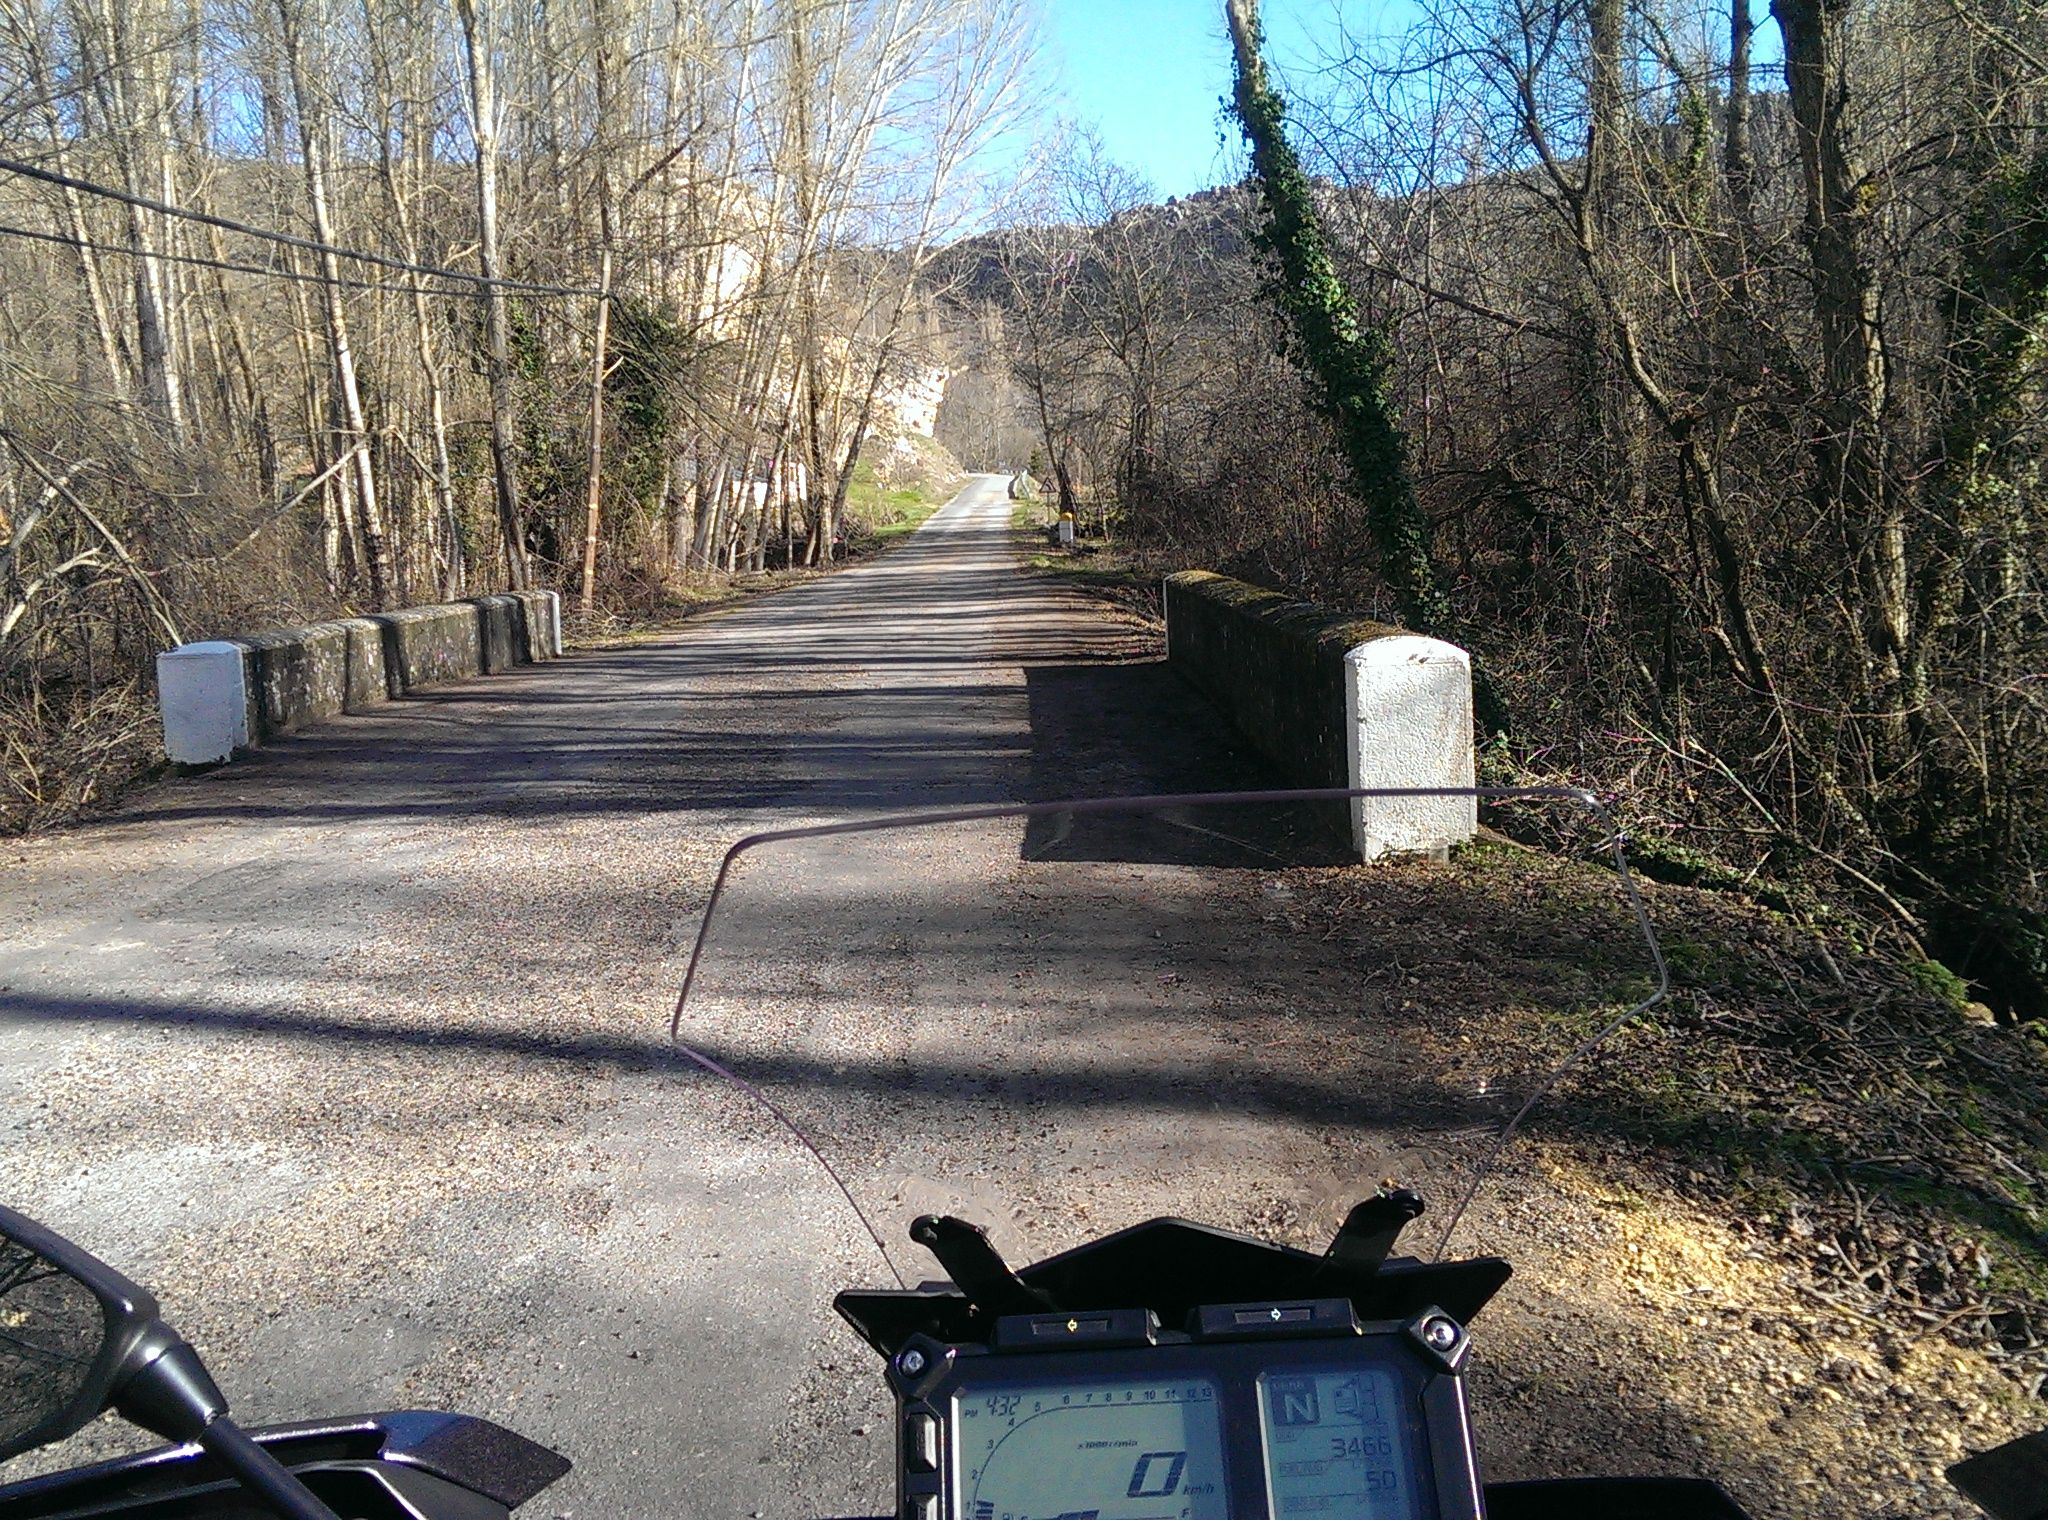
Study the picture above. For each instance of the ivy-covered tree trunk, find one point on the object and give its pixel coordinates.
(1348, 361)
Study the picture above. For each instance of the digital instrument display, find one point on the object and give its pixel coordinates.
(1107, 1450)
(1336, 1444)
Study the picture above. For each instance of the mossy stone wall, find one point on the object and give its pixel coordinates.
(1273, 665)
(292, 677)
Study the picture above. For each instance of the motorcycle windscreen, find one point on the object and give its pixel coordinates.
(1061, 1022)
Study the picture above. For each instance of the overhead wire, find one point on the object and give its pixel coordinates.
(287, 239)
(66, 240)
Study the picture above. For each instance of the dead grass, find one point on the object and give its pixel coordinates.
(1838, 1110)
(66, 751)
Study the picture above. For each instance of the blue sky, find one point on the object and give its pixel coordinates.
(1149, 73)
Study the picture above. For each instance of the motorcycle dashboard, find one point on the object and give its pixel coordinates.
(1365, 1424)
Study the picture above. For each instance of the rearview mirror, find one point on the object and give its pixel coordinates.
(68, 1326)
(77, 1338)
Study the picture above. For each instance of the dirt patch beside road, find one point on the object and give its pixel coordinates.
(1777, 1232)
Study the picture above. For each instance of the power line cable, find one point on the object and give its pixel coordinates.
(64, 239)
(290, 240)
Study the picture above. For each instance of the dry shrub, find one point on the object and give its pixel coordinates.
(64, 750)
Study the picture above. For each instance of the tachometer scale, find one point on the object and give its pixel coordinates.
(1148, 1450)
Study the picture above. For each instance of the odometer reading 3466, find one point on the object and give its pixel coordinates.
(1335, 1445)
(1106, 1450)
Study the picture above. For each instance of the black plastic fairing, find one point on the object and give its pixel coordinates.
(2009, 1482)
(486, 1460)
(1170, 1266)
(498, 1463)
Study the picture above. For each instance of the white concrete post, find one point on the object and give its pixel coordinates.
(1408, 713)
(203, 690)
(555, 621)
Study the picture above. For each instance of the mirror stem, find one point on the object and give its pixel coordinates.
(260, 1472)
(171, 1394)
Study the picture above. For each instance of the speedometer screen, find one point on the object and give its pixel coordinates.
(1336, 1445)
(1149, 1450)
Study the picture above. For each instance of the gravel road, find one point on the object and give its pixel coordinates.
(355, 1050)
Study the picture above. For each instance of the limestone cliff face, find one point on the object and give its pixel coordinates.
(909, 402)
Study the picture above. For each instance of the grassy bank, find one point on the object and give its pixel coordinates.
(1106, 568)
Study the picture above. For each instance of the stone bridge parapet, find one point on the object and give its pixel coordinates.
(226, 695)
(1335, 700)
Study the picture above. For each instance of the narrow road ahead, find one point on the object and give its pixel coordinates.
(354, 1049)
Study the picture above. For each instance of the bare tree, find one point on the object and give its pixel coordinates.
(477, 40)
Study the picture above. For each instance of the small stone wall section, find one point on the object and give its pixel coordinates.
(1334, 700)
(1274, 665)
(225, 695)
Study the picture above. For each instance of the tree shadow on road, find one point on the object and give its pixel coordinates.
(868, 706)
(1128, 728)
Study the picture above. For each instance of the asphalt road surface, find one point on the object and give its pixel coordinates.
(354, 1050)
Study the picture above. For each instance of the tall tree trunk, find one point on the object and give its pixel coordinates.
(483, 123)
(1840, 200)
(112, 341)
(1348, 359)
(376, 549)
(594, 456)
(1738, 159)
(398, 197)
(106, 32)
(710, 512)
